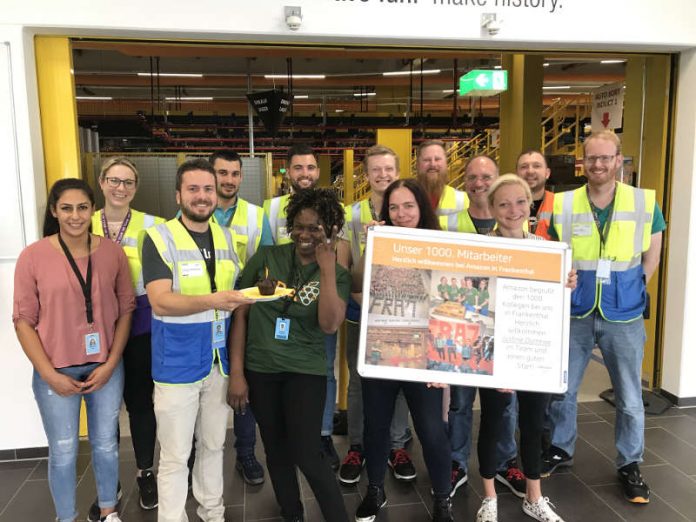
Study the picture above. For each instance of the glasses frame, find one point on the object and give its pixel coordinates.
(604, 159)
(114, 182)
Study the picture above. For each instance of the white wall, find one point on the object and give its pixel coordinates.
(574, 24)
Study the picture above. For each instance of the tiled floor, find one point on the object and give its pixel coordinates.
(586, 492)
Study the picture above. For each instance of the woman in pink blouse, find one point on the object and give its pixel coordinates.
(73, 300)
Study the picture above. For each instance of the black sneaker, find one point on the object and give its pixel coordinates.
(374, 500)
(513, 478)
(401, 465)
(556, 458)
(147, 485)
(442, 510)
(327, 448)
(352, 465)
(634, 487)
(250, 469)
(459, 478)
(94, 514)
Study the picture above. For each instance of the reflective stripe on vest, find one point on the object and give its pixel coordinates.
(452, 201)
(627, 238)
(130, 242)
(276, 210)
(358, 215)
(247, 224)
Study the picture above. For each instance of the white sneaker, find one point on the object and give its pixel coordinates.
(541, 510)
(488, 512)
(112, 517)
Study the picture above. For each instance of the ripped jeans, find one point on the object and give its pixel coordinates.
(61, 420)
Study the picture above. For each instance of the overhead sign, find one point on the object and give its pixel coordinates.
(483, 82)
(271, 106)
(607, 106)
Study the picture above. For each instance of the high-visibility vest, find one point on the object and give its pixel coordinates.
(247, 223)
(627, 237)
(358, 215)
(276, 210)
(543, 217)
(452, 203)
(139, 221)
(183, 350)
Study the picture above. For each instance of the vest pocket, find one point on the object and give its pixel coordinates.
(182, 346)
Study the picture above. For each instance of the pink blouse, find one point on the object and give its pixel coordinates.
(47, 295)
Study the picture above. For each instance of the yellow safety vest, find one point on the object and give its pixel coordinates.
(247, 223)
(276, 210)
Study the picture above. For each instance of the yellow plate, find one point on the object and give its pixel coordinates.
(253, 293)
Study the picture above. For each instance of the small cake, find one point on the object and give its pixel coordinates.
(267, 286)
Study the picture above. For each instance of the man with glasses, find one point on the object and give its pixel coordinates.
(615, 231)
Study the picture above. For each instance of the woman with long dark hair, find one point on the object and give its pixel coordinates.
(73, 300)
(278, 359)
(405, 205)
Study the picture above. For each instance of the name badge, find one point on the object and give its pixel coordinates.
(191, 269)
(282, 329)
(283, 233)
(582, 229)
(218, 332)
(92, 343)
(604, 271)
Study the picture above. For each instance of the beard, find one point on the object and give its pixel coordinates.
(190, 214)
(435, 186)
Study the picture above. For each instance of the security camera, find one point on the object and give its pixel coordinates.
(294, 22)
(293, 17)
(493, 27)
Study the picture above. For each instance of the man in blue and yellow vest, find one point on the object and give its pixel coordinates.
(432, 172)
(189, 271)
(532, 167)
(251, 230)
(615, 231)
(303, 173)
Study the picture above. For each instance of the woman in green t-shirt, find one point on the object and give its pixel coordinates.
(277, 354)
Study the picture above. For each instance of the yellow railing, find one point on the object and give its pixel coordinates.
(556, 115)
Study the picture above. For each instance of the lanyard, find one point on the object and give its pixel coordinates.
(595, 215)
(298, 281)
(373, 212)
(85, 285)
(209, 263)
(122, 230)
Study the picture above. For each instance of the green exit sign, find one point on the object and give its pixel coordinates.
(483, 82)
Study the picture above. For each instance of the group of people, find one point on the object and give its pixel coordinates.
(151, 311)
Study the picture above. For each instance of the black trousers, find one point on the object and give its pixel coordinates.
(493, 404)
(137, 394)
(531, 420)
(288, 409)
(425, 405)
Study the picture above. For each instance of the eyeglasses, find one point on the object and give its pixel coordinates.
(115, 182)
(602, 159)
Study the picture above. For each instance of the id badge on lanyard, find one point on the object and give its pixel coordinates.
(604, 271)
(282, 329)
(218, 331)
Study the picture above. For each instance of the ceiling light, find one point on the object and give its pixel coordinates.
(339, 110)
(188, 98)
(295, 76)
(497, 66)
(93, 97)
(612, 61)
(172, 75)
(556, 87)
(447, 91)
(415, 72)
(301, 96)
(362, 94)
(546, 64)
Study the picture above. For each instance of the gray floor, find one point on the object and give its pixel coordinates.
(586, 492)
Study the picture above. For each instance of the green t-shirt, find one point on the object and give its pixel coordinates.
(484, 295)
(470, 298)
(452, 292)
(304, 351)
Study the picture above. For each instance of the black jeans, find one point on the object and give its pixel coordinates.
(137, 394)
(425, 405)
(288, 409)
(493, 404)
(531, 420)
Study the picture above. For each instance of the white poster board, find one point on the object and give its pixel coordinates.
(465, 309)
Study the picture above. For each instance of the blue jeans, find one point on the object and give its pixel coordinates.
(244, 433)
(330, 405)
(621, 345)
(460, 419)
(61, 420)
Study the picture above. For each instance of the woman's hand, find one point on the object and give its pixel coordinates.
(238, 394)
(373, 223)
(505, 390)
(326, 249)
(63, 385)
(572, 281)
(437, 385)
(98, 378)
